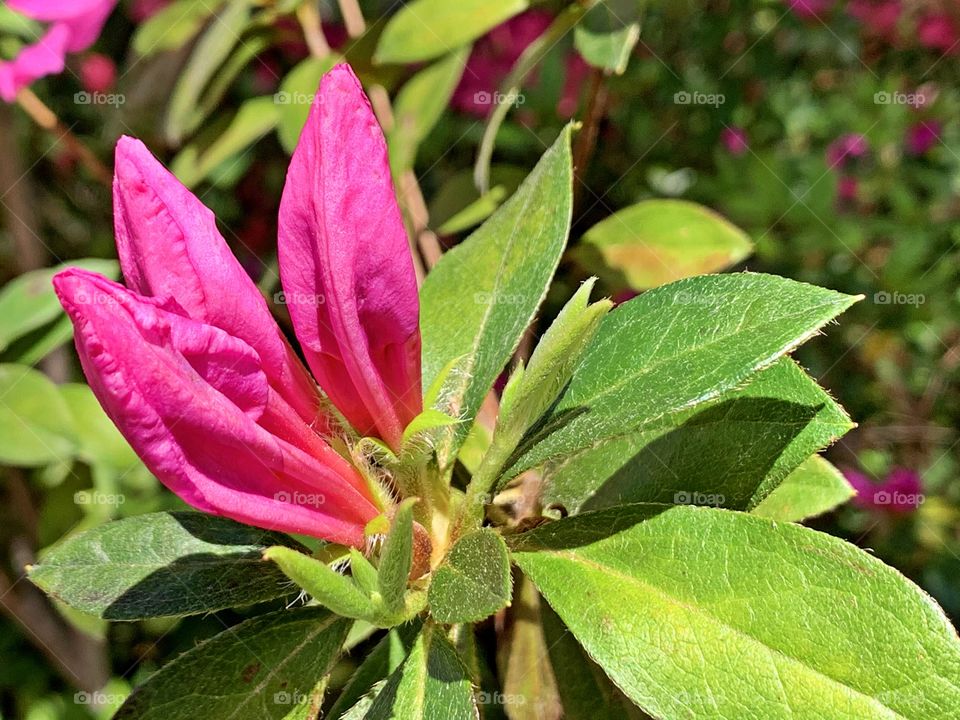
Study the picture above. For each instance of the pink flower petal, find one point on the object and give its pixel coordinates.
(188, 397)
(45, 57)
(170, 247)
(346, 267)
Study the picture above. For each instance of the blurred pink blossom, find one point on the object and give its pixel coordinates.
(72, 26)
(847, 188)
(846, 147)
(880, 17)
(735, 140)
(98, 73)
(810, 8)
(492, 58)
(923, 136)
(900, 492)
(938, 31)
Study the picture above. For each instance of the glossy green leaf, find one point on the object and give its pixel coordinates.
(295, 97)
(326, 586)
(28, 302)
(212, 49)
(173, 26)
(814, 488)
(36, 427)
(425, 29)
(699, 612)
(255, 119)
(473, 582)
(431, 684)
(419, 105)
(270, 668)
(479, 299)
(162, 564)
(397, 557)
(658, 241)
(609, 51)
(674, 348)
(730, 452)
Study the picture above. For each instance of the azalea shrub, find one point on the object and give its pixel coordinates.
(429, 383)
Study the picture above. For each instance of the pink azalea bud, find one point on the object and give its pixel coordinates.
(923, 136)
(846, 147)
(98, 73)
(734, 139)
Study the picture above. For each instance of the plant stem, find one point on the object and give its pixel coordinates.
(353, 18)
(313, 30)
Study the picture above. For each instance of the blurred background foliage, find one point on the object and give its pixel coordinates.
(824, 133)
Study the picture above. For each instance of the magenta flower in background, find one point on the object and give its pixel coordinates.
(923, 136)
(74, 25)
(810, 8)
(191, 367)
(847, 189)
(900, 492)
(880, 17)
(492, 57)
(734, 139)
(938, 31)
(98, 73)
(845, 148)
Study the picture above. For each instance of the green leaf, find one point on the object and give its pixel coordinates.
(295, 97)
(814, 488)
(458, 205)
(211, 51)
(363, 572)
(429, 419)
(608, 51)
(255, 118)
(397, 558)
(28, 303)
(98, 440)
(479, 299)
(268, 668)
(173, 26)
(658, 241)
(36, 427)
(473, 582)
(553, 361)
(380, 662)
(431, 684)
(425, 29)
(325, 585)
(732, 451)
(419, 105)
(162, 565)
(674, 348)
(699, 612)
